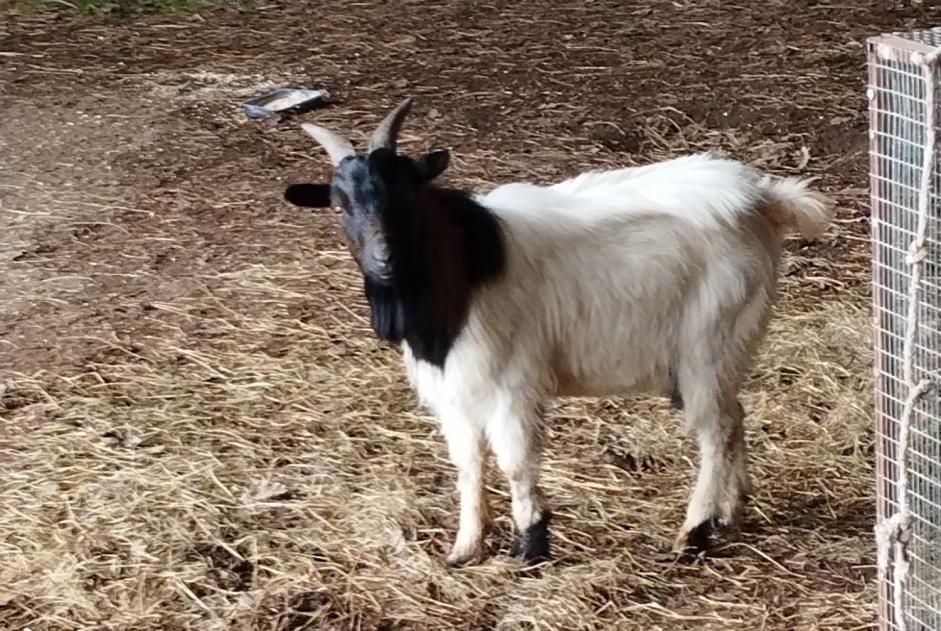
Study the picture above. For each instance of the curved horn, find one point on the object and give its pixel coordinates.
(388, 131)
(337, 146)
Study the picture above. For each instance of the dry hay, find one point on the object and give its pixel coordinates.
(277, 476)
(200, 431)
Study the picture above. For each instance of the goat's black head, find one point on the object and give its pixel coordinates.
(375, 192)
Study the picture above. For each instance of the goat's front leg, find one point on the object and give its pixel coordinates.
(465, 445)
(515, 440)
(718, 497)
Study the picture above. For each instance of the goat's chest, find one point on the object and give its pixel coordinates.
(465, 387)
(427, 380)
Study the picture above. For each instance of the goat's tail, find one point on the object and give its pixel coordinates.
(793, 206)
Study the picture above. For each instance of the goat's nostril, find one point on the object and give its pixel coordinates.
(381, 263)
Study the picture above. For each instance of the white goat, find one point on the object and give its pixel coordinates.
(657, 279)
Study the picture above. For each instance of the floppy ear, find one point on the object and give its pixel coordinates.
(308, 195)
(433, 164)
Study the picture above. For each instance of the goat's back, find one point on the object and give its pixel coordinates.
(615, 281)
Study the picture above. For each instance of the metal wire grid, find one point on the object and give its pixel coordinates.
(897, 135)
(930, 36)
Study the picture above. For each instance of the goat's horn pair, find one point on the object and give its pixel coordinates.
(385, 135)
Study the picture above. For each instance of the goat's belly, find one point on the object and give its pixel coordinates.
(617, 356)
(611, 385)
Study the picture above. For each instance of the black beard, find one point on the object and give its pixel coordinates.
(397, 314)
(387, 311)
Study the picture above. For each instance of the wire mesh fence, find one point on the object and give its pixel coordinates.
(905, 104)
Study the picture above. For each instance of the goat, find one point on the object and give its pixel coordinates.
(656, 279)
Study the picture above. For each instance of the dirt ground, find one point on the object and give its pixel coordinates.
(199, 430)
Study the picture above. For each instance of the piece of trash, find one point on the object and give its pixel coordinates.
(284, 100)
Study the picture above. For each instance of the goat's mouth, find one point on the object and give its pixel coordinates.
(378, 271)
(382, 278)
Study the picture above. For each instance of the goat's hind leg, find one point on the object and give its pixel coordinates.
(718, 499)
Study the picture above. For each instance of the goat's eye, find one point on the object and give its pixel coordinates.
(342, 203)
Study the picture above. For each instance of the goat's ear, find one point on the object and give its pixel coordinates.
(308, 195)
(433, 164)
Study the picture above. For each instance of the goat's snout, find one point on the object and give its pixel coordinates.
(378, 262)
(376, 255)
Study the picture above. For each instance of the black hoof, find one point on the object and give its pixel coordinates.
(701, 539)
(533, 545)
(701, 536)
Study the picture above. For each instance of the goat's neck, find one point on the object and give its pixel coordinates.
(458, 246)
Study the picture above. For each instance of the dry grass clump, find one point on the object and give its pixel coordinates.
(278, 476)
